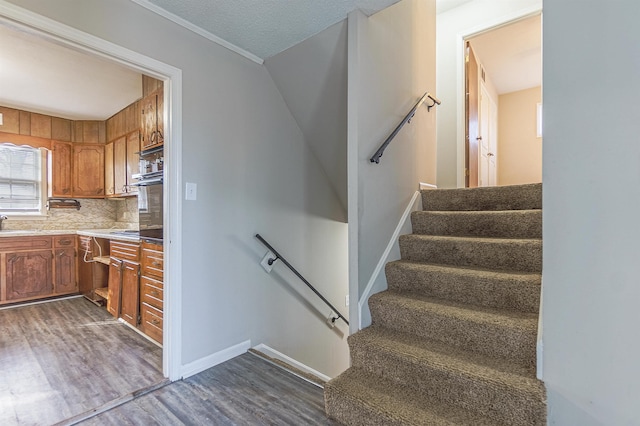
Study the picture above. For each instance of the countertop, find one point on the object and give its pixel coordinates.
(98, 233)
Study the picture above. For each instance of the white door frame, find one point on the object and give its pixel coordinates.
(11, 14)
(461, 38)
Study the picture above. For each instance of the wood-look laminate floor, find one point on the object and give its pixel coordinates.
(64, 358)
(243, 391)
(61, 358)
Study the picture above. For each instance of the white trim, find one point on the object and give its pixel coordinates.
(460, 94)
(424, 186)
(353, 220)
(69, 36)
(212, 360)
(414, 204)
(196, 29)
(270, 352)
(540, 343)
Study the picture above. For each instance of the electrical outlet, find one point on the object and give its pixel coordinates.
(265, 261)
(346, 300)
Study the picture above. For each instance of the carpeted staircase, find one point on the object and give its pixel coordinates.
(453, 339)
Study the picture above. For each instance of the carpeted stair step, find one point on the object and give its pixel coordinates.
(496, 224)
(492, 388)
(361, 399)
(515, 197)
(516, 291)
(495, 333)
(492, 253)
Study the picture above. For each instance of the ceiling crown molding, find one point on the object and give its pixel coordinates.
(196, 29)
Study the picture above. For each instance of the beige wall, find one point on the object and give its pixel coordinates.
(519, 149)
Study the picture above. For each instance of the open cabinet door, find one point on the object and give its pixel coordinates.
(471, 127)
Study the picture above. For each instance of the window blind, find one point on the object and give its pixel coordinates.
(20, 179)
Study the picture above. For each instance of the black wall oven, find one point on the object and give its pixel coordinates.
(150, 199)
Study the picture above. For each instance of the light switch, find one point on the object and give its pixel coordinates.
(191, 191)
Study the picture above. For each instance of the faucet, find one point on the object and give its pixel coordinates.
(2, 217)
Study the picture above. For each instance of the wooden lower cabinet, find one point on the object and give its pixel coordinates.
(37, 267)
(124, 281)
(152, 290)
(115, 287)
(65, 266)
(129, 309)
(151, 322)
(29, 275)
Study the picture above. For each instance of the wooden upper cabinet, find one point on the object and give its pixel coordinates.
(61, 170)
(88, 170)
(120, 165)
(133, 161)
(109, 184)
(152, 124)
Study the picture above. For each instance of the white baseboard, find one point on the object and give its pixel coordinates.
(414, 204)
(427, 186)
(284, 358)
(212, 360)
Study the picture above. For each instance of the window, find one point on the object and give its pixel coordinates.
(22, 183)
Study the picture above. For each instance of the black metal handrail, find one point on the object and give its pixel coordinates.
(407, 119)
(278, 256)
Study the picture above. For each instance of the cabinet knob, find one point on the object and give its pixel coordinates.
(155, 321)
(156, 264)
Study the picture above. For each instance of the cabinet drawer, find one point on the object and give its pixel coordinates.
(85, 243)
(152, 260)
(152, 292)
(125, 251)
(151, 324)
(24, 243)
(64, 241)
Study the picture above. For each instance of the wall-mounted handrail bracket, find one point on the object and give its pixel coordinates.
(332, 318)
(405, 120)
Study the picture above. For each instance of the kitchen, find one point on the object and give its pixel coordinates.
(82, 195)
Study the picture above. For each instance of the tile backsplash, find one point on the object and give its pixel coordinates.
(93, 214)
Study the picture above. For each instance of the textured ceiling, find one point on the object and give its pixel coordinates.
(40, 76)
(265, 27)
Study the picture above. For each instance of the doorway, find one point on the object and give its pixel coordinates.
(502, 81)
(171, 77)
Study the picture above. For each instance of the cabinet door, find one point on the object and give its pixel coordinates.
(120, 165)
(133, 160)
(85, 266)
(28, 274)
(61, 155)
(88, 170)
(109, 183)
(159, 139)
(65, 264)
(149, 124)
(130, 305)
(115, 287)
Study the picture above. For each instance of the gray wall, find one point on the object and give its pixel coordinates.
(312, 77)
(255, 173)
(591, 175)
(467, 19)
(391, 64)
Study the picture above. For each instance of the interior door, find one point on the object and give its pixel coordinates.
(493, 145)
(471, 108)
(484, 153)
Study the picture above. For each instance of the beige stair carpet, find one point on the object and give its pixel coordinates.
(453, 338)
